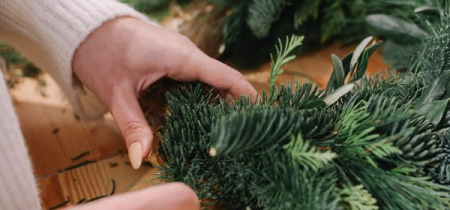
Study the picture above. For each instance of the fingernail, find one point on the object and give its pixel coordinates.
(135, 154)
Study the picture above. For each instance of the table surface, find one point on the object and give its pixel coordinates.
(55, 137)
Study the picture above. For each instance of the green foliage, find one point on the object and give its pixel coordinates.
(434, 111)
(253, 27)
(334, 20)
(283, 57)
(305, 10)
(377, 142)
(397, 191)
(287, 186)
(18, 68)
(148, 6)
(278, 124)
(337, 94)
(396, 28)
(298, 96)
(306, 155)
(262, 14)
(356, 136)
(398, 56)
(338, 71)
(354, 64)
(192, 114)
(407, 29)
(443, 171)
(155, 9)
(358, 198)
(233, 24)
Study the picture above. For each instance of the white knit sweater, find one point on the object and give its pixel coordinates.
(47, 32)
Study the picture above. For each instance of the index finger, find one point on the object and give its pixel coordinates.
(210, 71)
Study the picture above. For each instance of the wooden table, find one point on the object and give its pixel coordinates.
(55, 137)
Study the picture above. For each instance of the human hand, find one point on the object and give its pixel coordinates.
(125, 56)
(174, 196)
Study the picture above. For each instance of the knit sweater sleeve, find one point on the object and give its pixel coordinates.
(48, 32)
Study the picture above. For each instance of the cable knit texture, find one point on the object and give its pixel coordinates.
(18, 187)
(48, 32)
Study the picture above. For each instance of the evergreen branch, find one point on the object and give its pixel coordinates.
(287, 186)
(335, 20)
(307, 155)
(398, 191)
(305, 10)
(262, 13)
(270, 126)
(383, 149)
(282, 57)
(358, 198)
(299, 96)
(233, 25)
(442, 173)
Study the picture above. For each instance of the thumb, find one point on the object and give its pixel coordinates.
(133, 125)
(173, 196)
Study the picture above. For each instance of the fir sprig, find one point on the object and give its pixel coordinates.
(358, 198)
(307, 155)
(282, 57)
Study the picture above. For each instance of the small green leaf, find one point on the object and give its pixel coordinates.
(338, 71)
(395, 28)
(433, 92)
(358, 51)
(342, 68)
(363, 61)
(426, 8)
(346, 63)
(434, 111)
(331, 86)
(336, 95)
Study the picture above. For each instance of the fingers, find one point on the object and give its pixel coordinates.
(128, 115)
(175, 196)
(201, 67)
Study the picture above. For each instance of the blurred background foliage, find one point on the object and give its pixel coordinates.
(243, 33)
